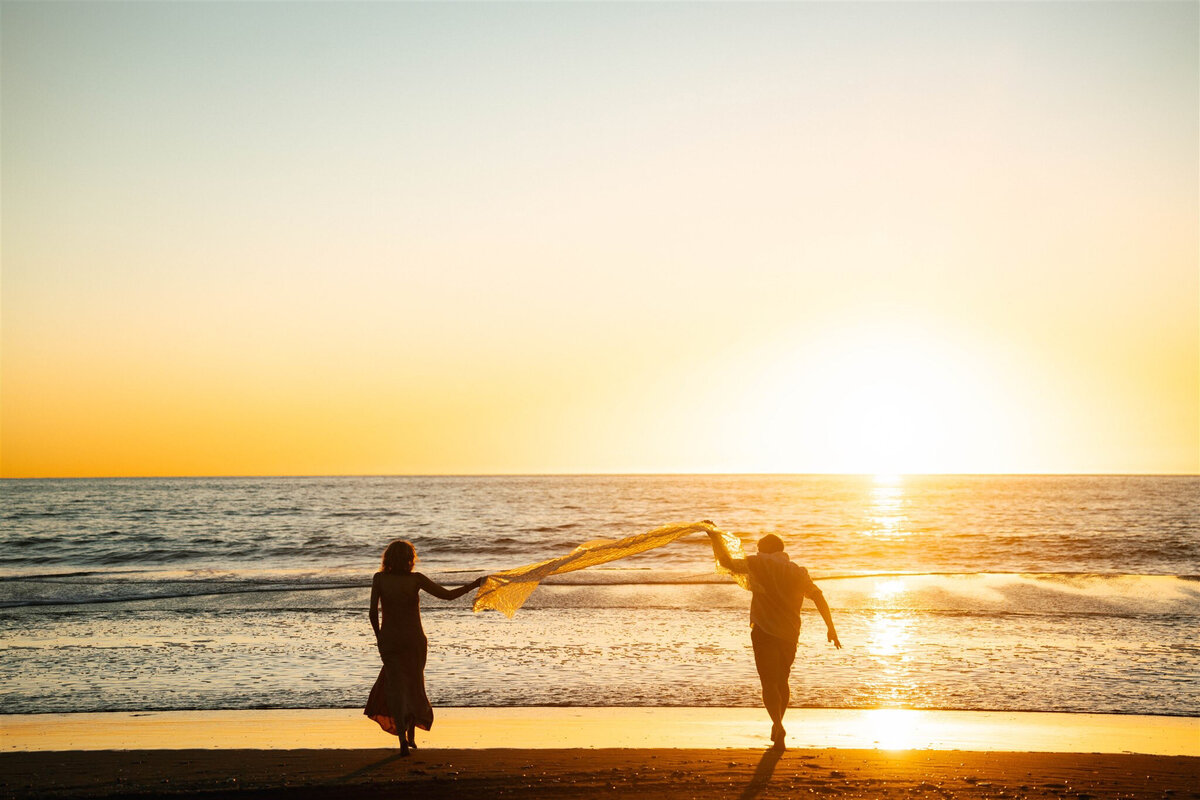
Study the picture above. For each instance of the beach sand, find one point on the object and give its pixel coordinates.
(577, 773)
(570, 753)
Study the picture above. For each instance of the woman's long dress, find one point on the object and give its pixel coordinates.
(398, 697)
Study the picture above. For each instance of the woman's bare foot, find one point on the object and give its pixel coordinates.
(403, 748)
(778, 734)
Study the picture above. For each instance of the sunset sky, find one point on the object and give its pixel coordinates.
(380, 238)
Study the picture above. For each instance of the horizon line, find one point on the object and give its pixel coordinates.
(611, 475)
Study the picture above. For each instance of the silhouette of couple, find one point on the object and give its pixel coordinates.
(398, 701)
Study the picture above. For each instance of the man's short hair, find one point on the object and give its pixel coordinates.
(770, 544)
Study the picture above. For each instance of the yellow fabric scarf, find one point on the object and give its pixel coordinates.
(507, 591)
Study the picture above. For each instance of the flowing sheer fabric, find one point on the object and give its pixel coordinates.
(507, 591)
(401, 688)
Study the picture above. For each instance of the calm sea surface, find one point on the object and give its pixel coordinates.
(1020, 593)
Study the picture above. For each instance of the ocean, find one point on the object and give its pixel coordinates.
(1040, 593)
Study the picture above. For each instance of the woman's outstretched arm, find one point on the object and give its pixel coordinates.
(444, 593)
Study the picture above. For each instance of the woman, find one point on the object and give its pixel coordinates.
(397, 701)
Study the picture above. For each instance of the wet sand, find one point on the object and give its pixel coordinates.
(615, 728)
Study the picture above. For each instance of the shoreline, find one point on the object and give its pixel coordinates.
(587, 728)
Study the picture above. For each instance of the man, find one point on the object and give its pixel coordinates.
(778, 587)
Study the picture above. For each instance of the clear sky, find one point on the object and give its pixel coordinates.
(342, 238)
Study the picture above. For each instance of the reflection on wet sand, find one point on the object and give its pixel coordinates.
(541, 728)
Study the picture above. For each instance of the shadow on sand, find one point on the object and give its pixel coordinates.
(762, 774)
(358, 773)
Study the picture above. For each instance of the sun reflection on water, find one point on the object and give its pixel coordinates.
(888, 650)
(886, 509)
(888, 589)
(889, 636)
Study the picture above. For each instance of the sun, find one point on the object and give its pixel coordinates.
(897, 405)
(884, 400)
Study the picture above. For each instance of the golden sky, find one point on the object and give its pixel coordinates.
(443, 238)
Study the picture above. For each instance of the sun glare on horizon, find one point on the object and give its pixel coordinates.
(884, 400)
(901, 402)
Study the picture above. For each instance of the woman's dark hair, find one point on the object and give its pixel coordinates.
(770, 544)
(399, 556)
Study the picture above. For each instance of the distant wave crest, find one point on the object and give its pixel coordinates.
(977, 593)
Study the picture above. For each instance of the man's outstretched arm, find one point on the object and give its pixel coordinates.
(723, 557)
